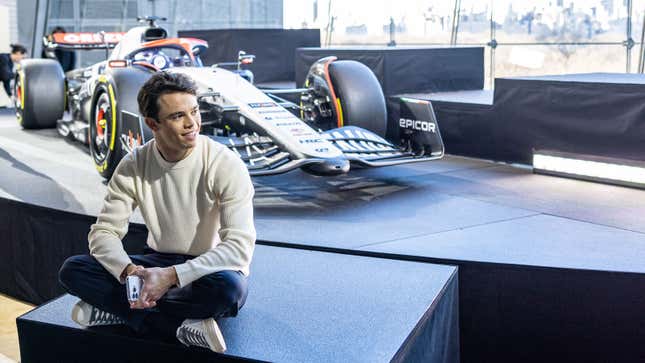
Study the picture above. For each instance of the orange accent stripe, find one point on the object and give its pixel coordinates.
(339, 116)
(186, 43)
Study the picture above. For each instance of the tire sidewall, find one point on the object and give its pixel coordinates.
(42, 84)
(359, 97)
(107, 165)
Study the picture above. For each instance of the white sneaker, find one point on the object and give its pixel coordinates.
(202, 333)
(87, 315)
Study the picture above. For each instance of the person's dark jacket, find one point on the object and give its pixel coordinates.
(6, 72)
(66, 58)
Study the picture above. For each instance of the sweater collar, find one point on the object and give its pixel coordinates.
(177, 164)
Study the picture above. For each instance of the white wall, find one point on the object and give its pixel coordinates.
(5, 38)
(8, 24)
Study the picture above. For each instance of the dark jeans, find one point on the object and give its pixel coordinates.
(221, 294)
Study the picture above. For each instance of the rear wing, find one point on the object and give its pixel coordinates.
(80, 41)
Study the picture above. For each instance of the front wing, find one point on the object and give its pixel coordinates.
(361, 147)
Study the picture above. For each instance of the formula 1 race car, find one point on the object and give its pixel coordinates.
(336, 120)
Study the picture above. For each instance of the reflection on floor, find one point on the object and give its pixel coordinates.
(10, 309)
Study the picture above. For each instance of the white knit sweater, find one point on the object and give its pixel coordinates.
(200, 206)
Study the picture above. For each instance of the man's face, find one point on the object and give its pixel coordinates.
(17, 57)
(178, 123)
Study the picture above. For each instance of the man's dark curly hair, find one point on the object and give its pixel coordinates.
(159, 84)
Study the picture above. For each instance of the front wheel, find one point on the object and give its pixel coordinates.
(343, 93)
(105, 145)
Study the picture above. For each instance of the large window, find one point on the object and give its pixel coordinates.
(522, 37)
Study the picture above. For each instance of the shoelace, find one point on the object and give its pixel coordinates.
(192, 336)
(102, 317)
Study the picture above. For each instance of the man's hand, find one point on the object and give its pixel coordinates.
(156, 282)
(129, 270)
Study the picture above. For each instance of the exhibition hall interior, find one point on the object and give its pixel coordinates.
(322, 181)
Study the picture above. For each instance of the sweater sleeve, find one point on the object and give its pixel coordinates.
(234, 191)
(112, 223)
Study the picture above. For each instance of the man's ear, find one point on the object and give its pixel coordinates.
(152, 124)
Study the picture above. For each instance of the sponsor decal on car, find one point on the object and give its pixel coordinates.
(263, 105)
(279, 117)
(272, 111)
(87, 38)
(427, 126)
(130, 141)
(288, 124)
(310, 141)
(301, 132)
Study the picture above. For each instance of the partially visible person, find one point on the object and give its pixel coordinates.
(66, 58)
(7, 62)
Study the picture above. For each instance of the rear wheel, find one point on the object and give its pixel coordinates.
(105, 144)
(39, 90)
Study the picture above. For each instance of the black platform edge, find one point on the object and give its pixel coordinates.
(165, 352)
(434, 260)
(512, 312)
(31, 252)
(441, 312)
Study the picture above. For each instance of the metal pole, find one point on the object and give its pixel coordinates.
(641, 60)
(629, 42)
(40, 27)
(493, 46)
(455, 22)
(123, 16)
(329, 20)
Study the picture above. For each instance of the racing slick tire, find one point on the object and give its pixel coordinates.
(39, 93)
(105, 146)
(112, 96)
(360, 96)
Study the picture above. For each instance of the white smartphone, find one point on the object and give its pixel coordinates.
(133, 286)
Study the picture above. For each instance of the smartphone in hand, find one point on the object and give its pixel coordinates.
(133, 286)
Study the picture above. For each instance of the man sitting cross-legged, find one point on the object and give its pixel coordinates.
(195, 196)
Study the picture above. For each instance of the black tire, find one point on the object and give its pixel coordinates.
(104, 140)
(39, 93)
(360, 94)
(115, 92)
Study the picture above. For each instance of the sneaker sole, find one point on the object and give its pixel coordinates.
(217, 344)
(79, 310)
(76, 311)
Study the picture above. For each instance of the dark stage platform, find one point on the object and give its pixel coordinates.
(550, 269)
(303, 306)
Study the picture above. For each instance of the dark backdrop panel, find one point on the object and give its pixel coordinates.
(408, 70)
(532, 314)
(435, 70)
(36, 240)
(306, 57)
(587, 114)
(274, 48)
(603, 119)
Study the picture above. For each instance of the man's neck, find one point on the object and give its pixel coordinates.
(173, 156)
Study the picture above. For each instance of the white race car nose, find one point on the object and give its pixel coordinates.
(334, 166)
